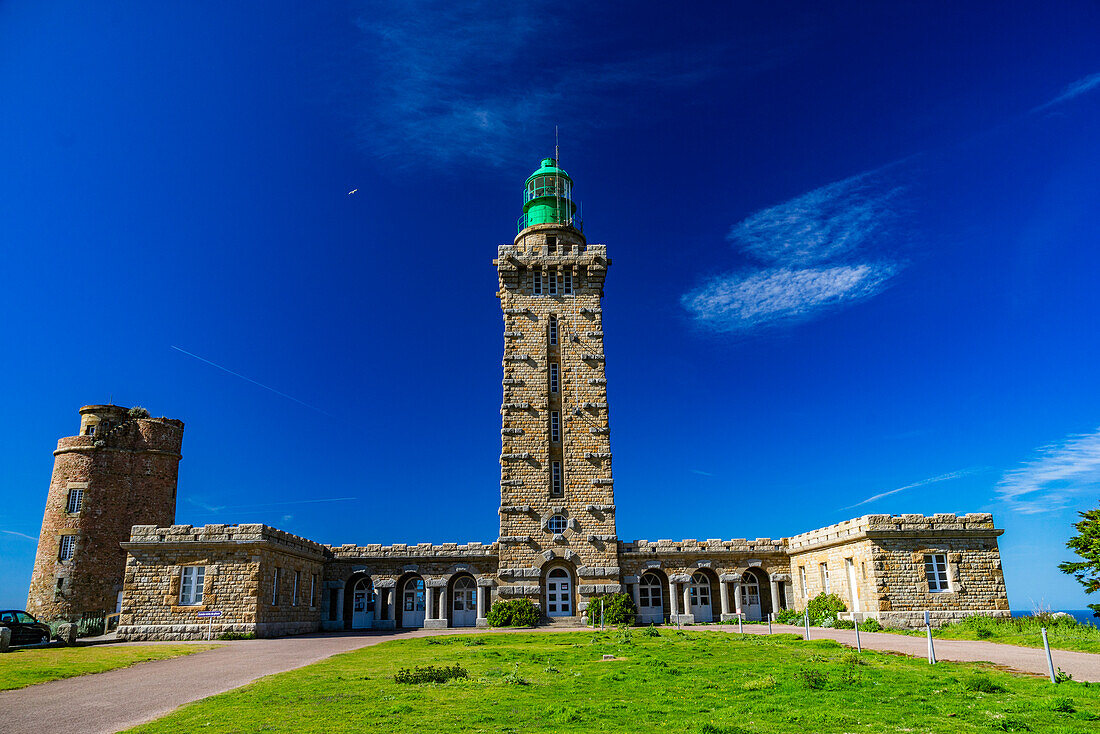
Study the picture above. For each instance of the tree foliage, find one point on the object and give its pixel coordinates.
(825, 606)
(1086, 544)
(617, 609)
(514, 613)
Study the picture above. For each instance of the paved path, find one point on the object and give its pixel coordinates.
(118, 699)
(1082, 665)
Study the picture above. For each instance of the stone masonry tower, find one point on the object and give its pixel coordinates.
(120, 471)
(558, 544)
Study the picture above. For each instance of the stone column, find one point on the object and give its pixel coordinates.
(672, 603)
(775, 596)
(443, 603)
(637, 597)
(725, 599)
(483, 604)
(429, 603)
(391, 607)
(437, 597)
(687, 597)
(340, 606)
(737, 597)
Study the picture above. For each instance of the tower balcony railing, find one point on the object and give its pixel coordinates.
(549, 186)
(532, 218)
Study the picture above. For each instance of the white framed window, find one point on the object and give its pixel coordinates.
(536, 283)
(275, 588)
(935, 570)
(567, 284)
(552, 285)
(297, 584)
(67, 548)
(802, 581)
(825, 577)
(553, 335)
(557, 524)
(555, 426)
(555, 478)
(313, 590)
(76, 500)
(192, 579)
(554, 376)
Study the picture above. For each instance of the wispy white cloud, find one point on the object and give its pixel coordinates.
(21, 535)
(740, 301)
(1076, 89)
(701, 473)
(922, 483)
(219, 508)
(812, 254)
(824, 224)
(488, 81)
(1058, 474)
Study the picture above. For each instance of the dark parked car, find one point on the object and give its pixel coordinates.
(25, 629)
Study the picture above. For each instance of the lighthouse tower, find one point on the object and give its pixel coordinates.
(558, 544)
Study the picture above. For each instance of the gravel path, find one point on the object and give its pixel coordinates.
(118, 699)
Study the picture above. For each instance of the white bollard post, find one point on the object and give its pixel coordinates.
(931, 647)
(1050, 662)
(740, 625)
(807, 614)
(770, 615)
(601, 614)
(859, 647)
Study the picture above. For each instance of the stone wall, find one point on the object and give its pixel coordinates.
(239, 562)
(888, 553)
(127, 472)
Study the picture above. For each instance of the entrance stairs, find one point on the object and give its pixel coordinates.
(577, 621)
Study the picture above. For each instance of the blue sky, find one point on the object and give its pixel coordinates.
(854, 257)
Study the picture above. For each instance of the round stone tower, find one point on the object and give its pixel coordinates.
(120, 471)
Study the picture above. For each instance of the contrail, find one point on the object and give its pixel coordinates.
(21, 535)
(211, 508)
(249, 379)
(921, 483)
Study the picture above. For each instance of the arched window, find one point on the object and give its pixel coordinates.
(649, 590)
(700, 590)
(557, 524)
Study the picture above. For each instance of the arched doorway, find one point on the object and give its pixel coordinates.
(464, 602)
(750, 596)
(363, 603)
(412, 602)
(651, 599)
(559, 593)
(700, 598)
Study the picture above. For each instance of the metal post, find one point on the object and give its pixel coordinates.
(807, 617)
(931, 647)
(740, 625)
(859, 647)
(770, 615)
(601, 613)
(1050, 662)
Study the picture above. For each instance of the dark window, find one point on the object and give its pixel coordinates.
(553, 330)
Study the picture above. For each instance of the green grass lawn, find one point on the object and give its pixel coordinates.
(691, 683)
(27, 666)
(1063, 634)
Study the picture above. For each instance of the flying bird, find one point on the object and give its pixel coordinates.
(352, 192)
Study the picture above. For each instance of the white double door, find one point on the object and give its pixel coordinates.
(464, 603)
(412, 603)
(651, 602)
(559, 594)
(750, 598)
(699, 594)
(362, 604)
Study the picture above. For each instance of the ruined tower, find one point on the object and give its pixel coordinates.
(120, 471)
(558, 544)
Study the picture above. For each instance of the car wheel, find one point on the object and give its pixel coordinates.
(45, 639)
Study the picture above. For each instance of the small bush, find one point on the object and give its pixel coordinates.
(515, 679)
(430, 674)
(138, 412)
(788, 616)
(983, 634)
(514, 613)
(828, 622)
(473, 641)
(870, 625)
(844, 624)
(1010, 724)
(983, 684)
(617, 609)
(812, 679)
(823, 606)
(760, 684)
(650, 631)
(853, 658)
(1063, 705)
(1062, 676)
(237, 636)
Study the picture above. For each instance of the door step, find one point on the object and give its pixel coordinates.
(577, 621)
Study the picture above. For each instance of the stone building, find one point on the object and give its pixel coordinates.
(558, 542)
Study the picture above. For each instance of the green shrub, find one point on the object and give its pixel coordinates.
(138, 412)
(617, 609)
(514, 613)
(650, 631)
(845, 624)
(812, 678)
(983, 684)
(870, 625)
(1063, 705)
(430, 674)
(788, 616)
(824, 606)
(237, 636)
